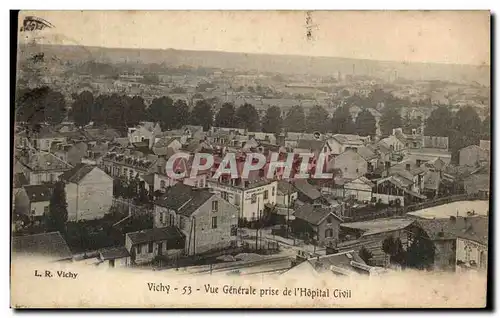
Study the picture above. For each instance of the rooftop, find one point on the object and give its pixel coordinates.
(155, 235)
(51, 244)
(38, 193)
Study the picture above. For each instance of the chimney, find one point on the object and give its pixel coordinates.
(407, 167)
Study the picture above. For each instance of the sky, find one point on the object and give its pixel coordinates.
(456, 37)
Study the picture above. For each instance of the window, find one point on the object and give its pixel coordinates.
(328, 233)
(234, 230)
(215, 206)
(182, 223)
(329, 220)
(236, 200)
(214, 222)
(162, 184)
(144, 248)
(150, 247)
(253, 198)
(161, 217)
(266, 194)
(272, 193)
(224, 195)
(414, 145)
(202, 183)
(345, 169)
(33, 211)
(172, 220)
(357, 170)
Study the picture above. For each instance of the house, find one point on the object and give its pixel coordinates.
(359, 189)
(396, 189)
(350, 163)
(444, 234)
(48, 245)
(146, 245)
(472, 247)
(318, 223)
(306, 192)
(473, 156)
(395, 142)
(115, 257)
(286, 194)
(346, 263)
(89, 192)
(43, 167)
(144, 132)
(249, 196)
(33, 201)
(314, 146)
(478, 182)
(428, 154)
(166, 146)
(339, 143)
(70, 153)
(206, 220)
(370, 156)
(43, 139)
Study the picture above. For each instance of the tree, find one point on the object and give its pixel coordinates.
(365, 255)
(366, 124)
(295, 120)
(39, 105)
(342, 121)
(391, 118)
(421, 252)
(202, 114)
(226, 116)
(57, 215)
(170, 115)
(247, 117)
(439, 122)
(81, 110)
(465, 131)
(486, 128)
(318, 119)
(135, 110)
(394, 248)
(181, 113)
(272, 121)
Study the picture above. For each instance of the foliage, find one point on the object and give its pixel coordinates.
(318, 120)
(439, 122)
(420, 253)
(272, 121)
(295, 120)
(202, 114)
(170, 115)
(40, 105)
(57, 216)
(365, 254)
(226, 116)
(391, 118)
(365, 124)
(342, 122)
(247, 117)
(394, 248)
(81, 110)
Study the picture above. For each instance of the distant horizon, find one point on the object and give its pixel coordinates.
(253, 53)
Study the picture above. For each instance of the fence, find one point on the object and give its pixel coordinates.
(400, 211)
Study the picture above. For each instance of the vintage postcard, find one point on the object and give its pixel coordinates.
(251, 159)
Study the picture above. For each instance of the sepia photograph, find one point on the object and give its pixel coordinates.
(250, 159)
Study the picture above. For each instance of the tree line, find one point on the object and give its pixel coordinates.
(121, 111)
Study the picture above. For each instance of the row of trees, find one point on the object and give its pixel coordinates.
(120, 111)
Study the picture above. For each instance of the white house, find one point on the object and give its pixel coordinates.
(360, 189)
(89, 192)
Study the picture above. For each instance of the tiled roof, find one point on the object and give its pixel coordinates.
(76, 174)
(285, 187)
(379, 225)
(307, 189)
(156, 234)
(45, 244)
(45, 161)
(366, 153)
(38, 193)
(313, 215)
(474, 228)
(113, 253)
(348, 139)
